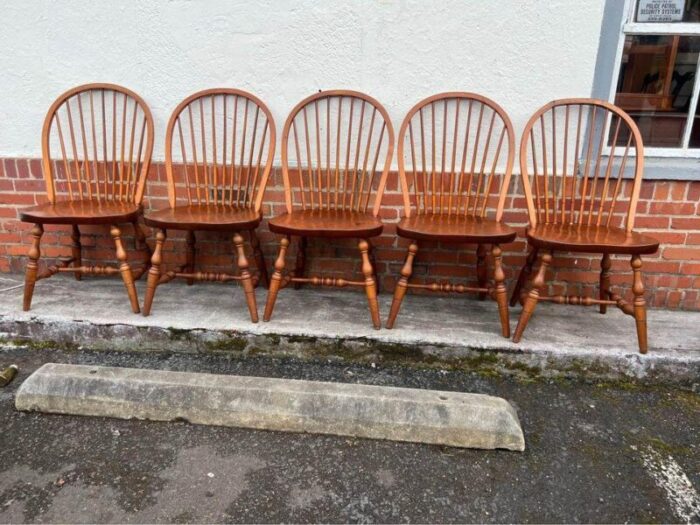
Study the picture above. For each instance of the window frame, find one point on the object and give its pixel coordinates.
(628, 28)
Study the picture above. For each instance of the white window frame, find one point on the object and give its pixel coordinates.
(630, 27)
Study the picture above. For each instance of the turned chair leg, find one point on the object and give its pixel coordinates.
(246, 279)
(142, 245)
(191, 242)
(604, 284)
(259, 260)
(124, 268)
(300, 263)
(276, 280)
(76, 251)
(501, 294)
(370, 284)
(482, 269)
(154, 272)
(523, 276)
(32, 266)
(373, 259)
(538, 283)
(640, 305)
(402, 284)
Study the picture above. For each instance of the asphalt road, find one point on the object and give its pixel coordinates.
(595, 453)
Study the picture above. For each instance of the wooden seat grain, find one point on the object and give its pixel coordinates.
(455, 156)
(339, 144)
(219, 147)
(327, 223)
(97, 141)
(451, 228)
(581, 164)
(81, 212)
(210, 217)
(592, 239)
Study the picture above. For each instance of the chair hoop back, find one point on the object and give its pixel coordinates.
(453, 145)
(338, 140)
(223, 141)
(575, 153)
(104, 134)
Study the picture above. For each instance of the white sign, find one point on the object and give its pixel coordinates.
(660, 10)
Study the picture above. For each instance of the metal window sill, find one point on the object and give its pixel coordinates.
(669, 168)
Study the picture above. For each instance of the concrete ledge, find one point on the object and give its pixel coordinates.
(399, 414)
(438, 331)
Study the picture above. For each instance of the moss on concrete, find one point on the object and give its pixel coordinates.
(486, 363)
(660, 445)
(689, 399)
(621, 384)
(178, 334)
(227, 343)
(37, 345)
(294, 339)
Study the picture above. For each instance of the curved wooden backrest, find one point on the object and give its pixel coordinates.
(104, 136)
(453, 144)
(338, 139)
(223, 140)
(574, 153)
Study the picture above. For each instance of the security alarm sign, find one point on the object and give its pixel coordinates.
(660, 10)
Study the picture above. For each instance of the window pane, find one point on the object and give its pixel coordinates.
(655, 86)
(668, 11)
(695, 130)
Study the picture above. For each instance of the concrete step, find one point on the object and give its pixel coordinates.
(441, 331)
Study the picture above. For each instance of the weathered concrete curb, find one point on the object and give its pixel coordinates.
(489, 360)
(399, 414)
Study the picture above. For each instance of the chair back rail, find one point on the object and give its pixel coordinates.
(333, 143)
(97, 141)
(453, 148)
(223, 140)
(574, 154)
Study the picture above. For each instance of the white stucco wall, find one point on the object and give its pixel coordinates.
(521, 53)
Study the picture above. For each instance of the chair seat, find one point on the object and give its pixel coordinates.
(597, 239)
(86, 211)
(327, 223)
(454, 228)
(204, 217)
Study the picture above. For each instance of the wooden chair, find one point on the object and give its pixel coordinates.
(104, 134)
(224, 142)
(458, 171)
(339, 139)
(575, 153)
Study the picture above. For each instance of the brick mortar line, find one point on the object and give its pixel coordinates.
(685, 257)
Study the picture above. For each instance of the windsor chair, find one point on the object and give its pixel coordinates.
(105, 136)
(224, 140)
(338, 139)
(453, 143)
(576, 152)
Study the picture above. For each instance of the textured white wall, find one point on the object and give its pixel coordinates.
(521, 53)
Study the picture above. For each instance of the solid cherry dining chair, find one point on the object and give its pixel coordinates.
(459, 149)
(222, 142)
(96, 144)
(336, 141)
(575, 153)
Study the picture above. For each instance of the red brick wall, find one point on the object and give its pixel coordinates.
(670, 211)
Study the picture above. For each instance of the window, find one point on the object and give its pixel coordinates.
(656, 79)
